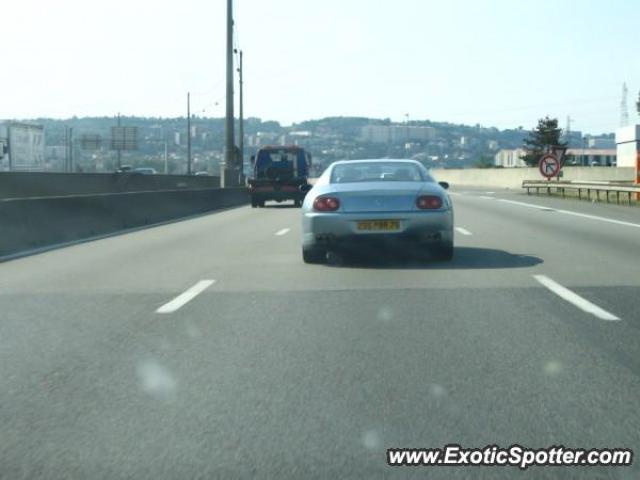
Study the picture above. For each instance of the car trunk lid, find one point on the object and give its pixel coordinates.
(378, 197)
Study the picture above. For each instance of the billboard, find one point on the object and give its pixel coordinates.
(124, 138)
(90, 142)
(25, 146)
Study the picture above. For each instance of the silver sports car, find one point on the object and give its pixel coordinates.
(374, 206)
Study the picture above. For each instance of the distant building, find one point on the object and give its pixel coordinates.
(176, 138)
(600, 142)
(55, 153)
(510, 158)
(591, 156)
(492, 145)
(396, 133)
(574, 139)
(628, 145)
(300, 134)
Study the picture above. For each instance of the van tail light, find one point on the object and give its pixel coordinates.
(326, 204)
(429, 202)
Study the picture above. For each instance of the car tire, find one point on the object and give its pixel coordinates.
(313, 255)
(444, 251)
(254, 203)
(261, 204)
(297, 203)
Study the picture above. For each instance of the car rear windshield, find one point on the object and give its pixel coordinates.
(377, 172)
(278, 162)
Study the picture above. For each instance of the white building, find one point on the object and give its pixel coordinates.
(509, 158)
(628, 145)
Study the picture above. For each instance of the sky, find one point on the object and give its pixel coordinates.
(501, 63)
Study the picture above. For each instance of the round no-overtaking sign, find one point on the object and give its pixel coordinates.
(549, 166)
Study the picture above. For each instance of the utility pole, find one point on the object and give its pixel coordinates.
(229, 173)
(166, 157)
(188, 133)
(71, 149)
(118, 149)
(241, 124)
(66, 148)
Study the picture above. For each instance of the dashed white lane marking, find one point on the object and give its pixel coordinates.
(575, 214)
(282, 232)
(463, 231)
(185, 297)
(486, 197)
(571, 297)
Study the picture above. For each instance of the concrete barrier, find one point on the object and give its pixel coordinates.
(512, 178)
(45, 184)
(30, 223)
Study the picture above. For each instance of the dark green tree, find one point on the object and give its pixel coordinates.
(484, 162)
(545, 134)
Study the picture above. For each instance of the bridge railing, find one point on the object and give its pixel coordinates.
(627, 189)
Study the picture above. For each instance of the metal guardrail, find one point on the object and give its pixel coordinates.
(561, 187)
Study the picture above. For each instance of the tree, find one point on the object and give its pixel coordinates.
(484, 162)
(545, 134)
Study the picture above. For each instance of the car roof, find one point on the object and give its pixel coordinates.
(377, 160)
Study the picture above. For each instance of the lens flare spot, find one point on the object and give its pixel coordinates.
(155, 379)
(372, 440)
(385, 314)
(553, 368)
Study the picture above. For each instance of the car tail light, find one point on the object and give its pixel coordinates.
(326, 204)
(429, 202)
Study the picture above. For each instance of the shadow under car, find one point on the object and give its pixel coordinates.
(465, 258)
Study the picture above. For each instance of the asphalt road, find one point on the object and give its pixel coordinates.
(271, 368)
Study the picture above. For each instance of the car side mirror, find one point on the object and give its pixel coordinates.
(305, 188)
(444, 185)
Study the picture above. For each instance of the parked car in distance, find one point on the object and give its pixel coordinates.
(145, 171)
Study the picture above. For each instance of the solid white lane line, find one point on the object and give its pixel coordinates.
(282, 232)
(522, 204)
(601, 219)
(574, 298)
(463, 231)
(185, 297)
(575, 214)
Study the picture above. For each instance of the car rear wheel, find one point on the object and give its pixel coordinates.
(444, 251)
(254, 203)
(297, 203)
(313, 255)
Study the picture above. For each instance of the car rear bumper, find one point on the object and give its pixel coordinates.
(278, 195)
(339, 230)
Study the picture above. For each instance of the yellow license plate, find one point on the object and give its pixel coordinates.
(379, 226)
